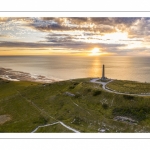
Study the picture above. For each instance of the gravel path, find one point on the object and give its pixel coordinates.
(68, 127)
(113, 91)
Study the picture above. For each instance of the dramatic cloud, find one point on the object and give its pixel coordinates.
(141, 28)
(84, 23)
(2, 19)
(121, 35)
(59, 44)
(69, 24)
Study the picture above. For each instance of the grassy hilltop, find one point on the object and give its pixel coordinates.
(78, 103)
(131, 87)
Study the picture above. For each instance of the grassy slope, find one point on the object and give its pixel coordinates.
(92, 109)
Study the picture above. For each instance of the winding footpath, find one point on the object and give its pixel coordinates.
(68, 127)
(45, 113)
(113, 91)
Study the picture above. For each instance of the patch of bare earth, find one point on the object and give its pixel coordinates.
(4, 118)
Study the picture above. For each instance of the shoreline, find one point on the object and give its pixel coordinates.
(11, 75)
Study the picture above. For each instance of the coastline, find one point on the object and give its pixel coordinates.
(12, 75)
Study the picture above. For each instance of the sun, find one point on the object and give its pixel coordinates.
(95, 52)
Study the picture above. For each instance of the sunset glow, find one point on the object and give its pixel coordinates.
(95, 52)
(116, 36)
(75, 36)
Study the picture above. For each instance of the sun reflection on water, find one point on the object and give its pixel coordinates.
(96, 67)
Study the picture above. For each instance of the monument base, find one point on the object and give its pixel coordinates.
(104, 79)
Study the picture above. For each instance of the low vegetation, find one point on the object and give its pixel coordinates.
(96, 92)
(91, 109)
(131, 87)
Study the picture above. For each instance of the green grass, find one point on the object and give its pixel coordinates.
(131, 87)
(91, 109)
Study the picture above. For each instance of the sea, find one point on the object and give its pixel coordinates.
(62, 67)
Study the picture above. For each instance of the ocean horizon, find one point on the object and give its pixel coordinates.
(60, 67)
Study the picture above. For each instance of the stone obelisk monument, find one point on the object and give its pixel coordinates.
(103, 72)
(103, 78)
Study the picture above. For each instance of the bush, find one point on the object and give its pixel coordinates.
(75, 83)
(40, 120)
(128, 97)
(96, 92)
(105, 106)
(77, 120)
(87, 90)
(71, 87)
(77, 95)
(136, 113)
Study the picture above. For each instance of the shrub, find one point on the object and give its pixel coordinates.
(77, 120)
(136, 113)
(87, 90)
(96, 92)
(105, 106)
(71, 87)
(40, 120)
(75, 83)
(77, 95)
(128, 97)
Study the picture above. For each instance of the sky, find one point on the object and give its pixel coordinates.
(125, 36)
